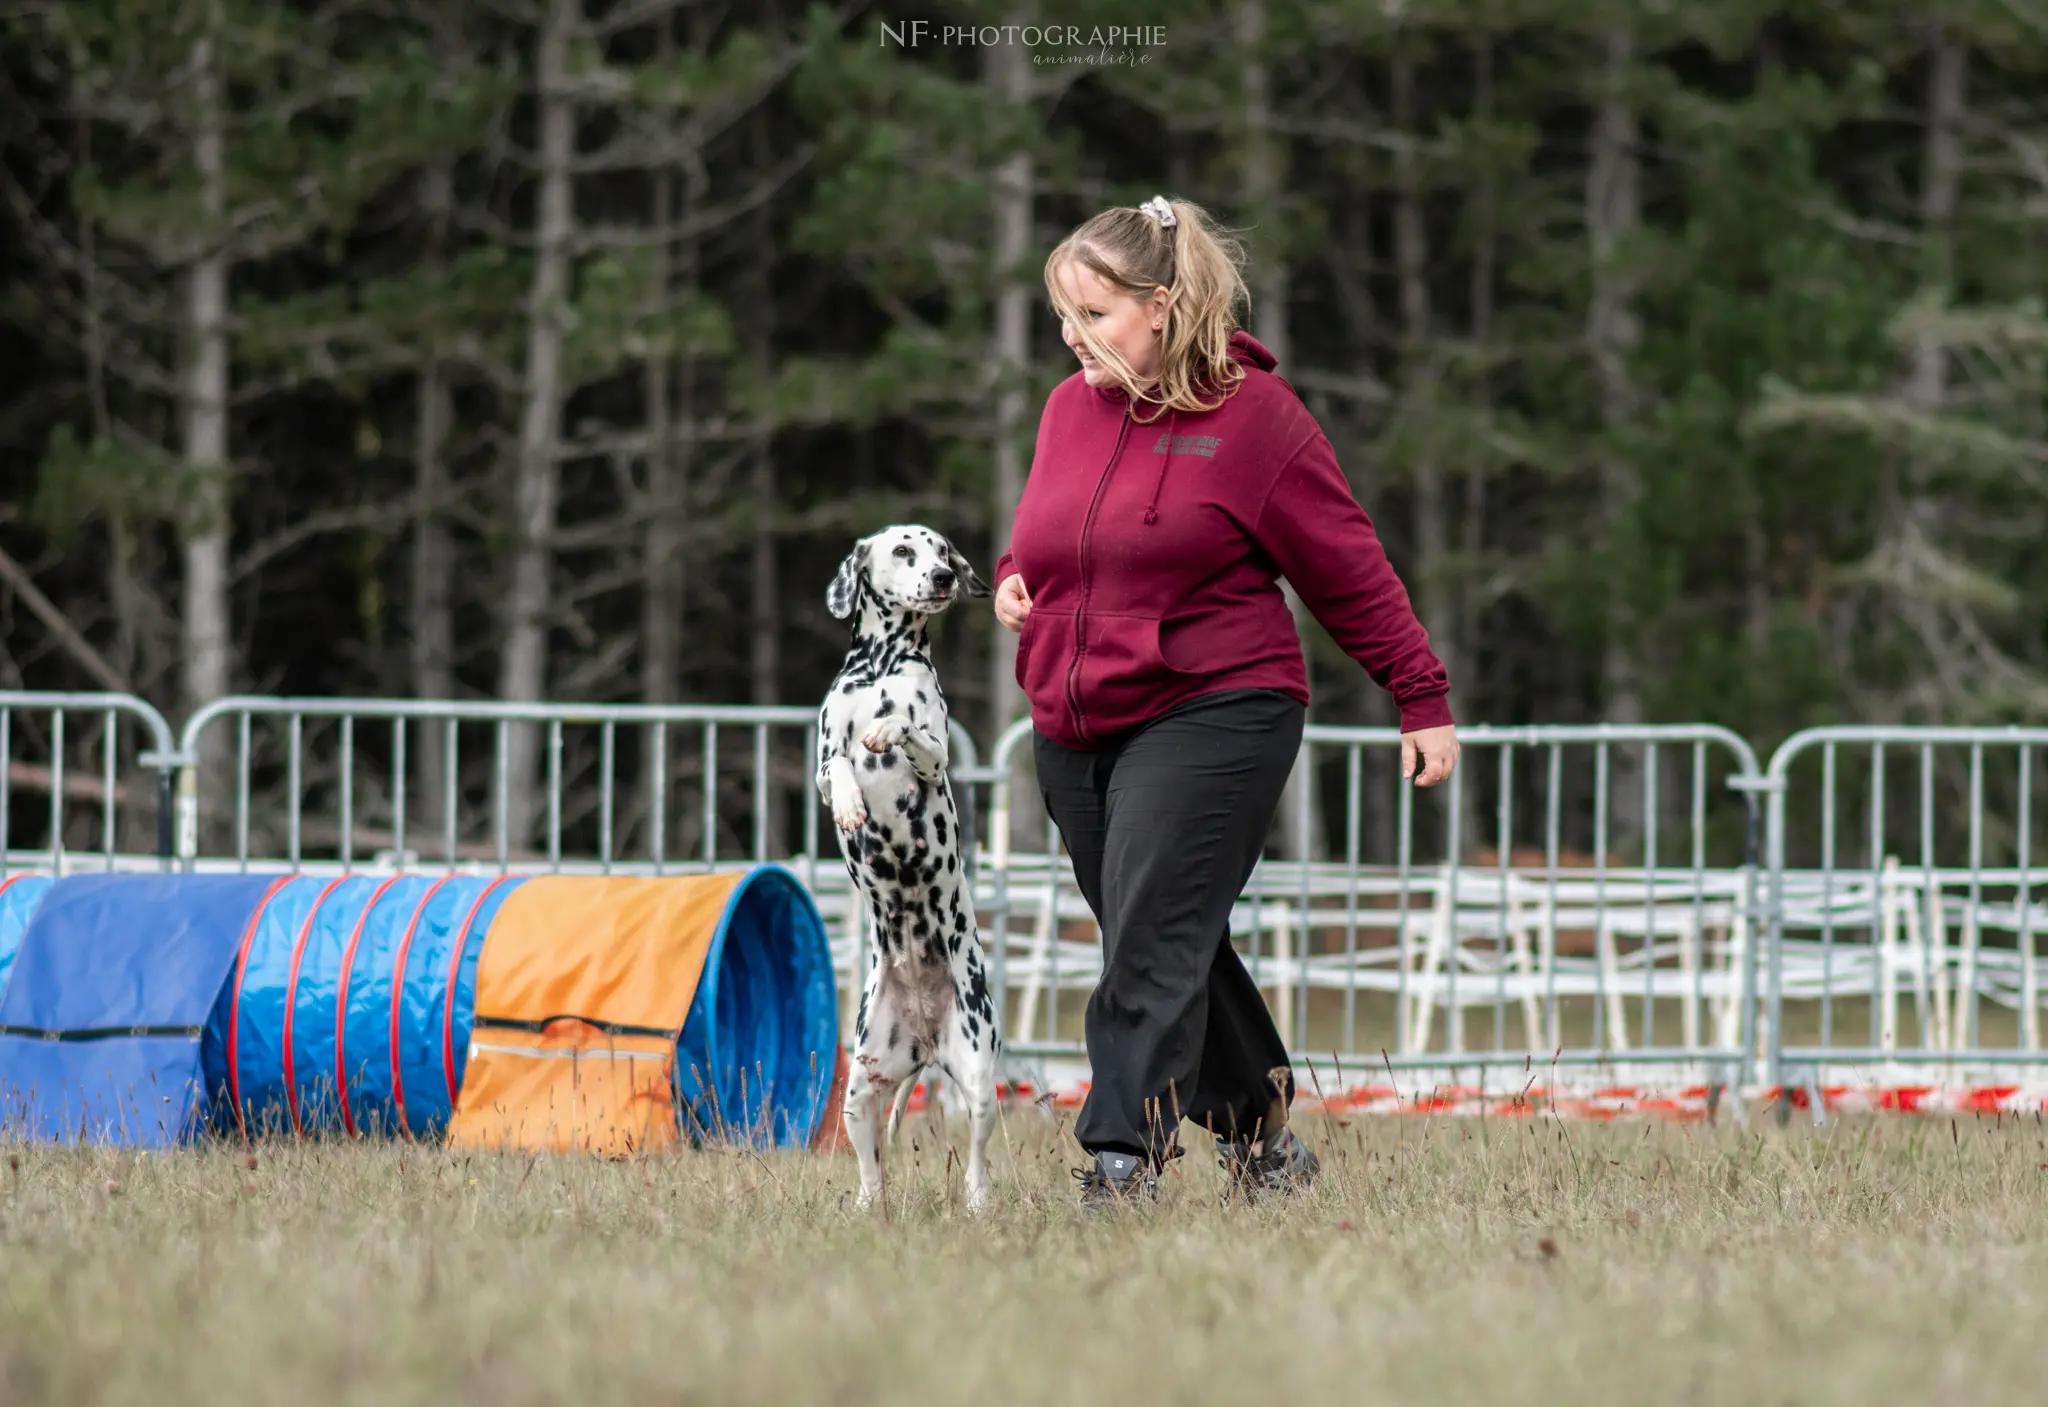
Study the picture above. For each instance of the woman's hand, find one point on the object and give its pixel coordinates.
(1013, 602)
(1435, 748)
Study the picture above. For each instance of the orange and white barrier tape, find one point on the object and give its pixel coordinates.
(1687, 1105)
(1067, 1088)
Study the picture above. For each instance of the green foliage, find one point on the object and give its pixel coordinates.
(81, 480)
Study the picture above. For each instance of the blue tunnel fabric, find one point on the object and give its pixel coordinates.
(756, 1055)
(20, 894)
(275, 1043)
(101, 1020)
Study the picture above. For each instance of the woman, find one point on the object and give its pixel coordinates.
(1176, 479)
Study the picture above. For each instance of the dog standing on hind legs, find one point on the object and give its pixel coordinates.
(882, 757)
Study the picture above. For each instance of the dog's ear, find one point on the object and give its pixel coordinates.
(970, 579)
(845, 587)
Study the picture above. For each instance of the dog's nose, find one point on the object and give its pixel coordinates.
(943, 577)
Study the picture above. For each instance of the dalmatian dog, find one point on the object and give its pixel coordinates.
(882, 754)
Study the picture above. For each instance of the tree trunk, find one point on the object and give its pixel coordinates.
(522, 670)
(1756, 574)
(1435, 599)
(765, 658)
(433, 586)
(124, 587)
(1007, 72)
(1301, 818)
(661, 545)
(207, 519)
(1359, 318)
(1910, 526)
(668, 391)
(1940, 182)
(433, 548)
(1008, 75)
(1464, 641)
(1756, 552)
(1613, 333)
(765, 586)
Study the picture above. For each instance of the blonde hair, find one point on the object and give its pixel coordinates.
(1197, 262)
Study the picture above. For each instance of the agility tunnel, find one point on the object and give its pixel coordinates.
(608, 1014)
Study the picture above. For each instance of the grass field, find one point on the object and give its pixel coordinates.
(1439, 1261)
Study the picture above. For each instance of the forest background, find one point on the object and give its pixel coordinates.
(1689, 357)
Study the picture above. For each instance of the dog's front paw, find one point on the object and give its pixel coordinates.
(888, 733)
(849, 812)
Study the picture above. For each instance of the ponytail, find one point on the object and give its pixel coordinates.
(1173, 245)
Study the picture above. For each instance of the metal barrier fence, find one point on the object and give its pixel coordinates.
(1583, 905)
(1528, 919)
(105, 789)
(627, 788)
(1857, 928)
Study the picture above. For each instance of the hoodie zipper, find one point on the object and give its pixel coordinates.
(1081, 614)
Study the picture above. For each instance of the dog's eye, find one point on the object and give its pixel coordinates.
(903, 550)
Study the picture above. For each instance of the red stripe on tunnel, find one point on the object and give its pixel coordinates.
(235, 1001)
(348, 961)
(454, 971)
(291, 1000)
(398, 996)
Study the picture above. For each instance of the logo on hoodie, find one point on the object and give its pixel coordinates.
(1204, 445)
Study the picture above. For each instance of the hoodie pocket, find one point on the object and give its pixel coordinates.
(1040, 660)
(1165, 639)
(1126, 676)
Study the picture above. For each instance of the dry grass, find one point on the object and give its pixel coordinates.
(1510, 1262)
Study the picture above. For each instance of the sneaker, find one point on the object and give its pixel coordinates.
(1114, 1179)
(1286, 1165)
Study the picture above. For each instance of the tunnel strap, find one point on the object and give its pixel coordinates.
(539, 1025)
(100, 1033)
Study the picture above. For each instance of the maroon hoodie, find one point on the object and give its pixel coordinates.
(1153, 555)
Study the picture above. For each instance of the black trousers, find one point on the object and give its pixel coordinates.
(1164, 826)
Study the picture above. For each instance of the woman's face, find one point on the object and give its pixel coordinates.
(1127, 323)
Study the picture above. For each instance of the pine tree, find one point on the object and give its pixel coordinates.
(213, 142)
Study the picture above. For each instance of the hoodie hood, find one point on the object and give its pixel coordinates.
(1243, 348)
(1247, 350)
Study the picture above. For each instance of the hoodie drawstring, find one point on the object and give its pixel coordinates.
(1166, 457)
